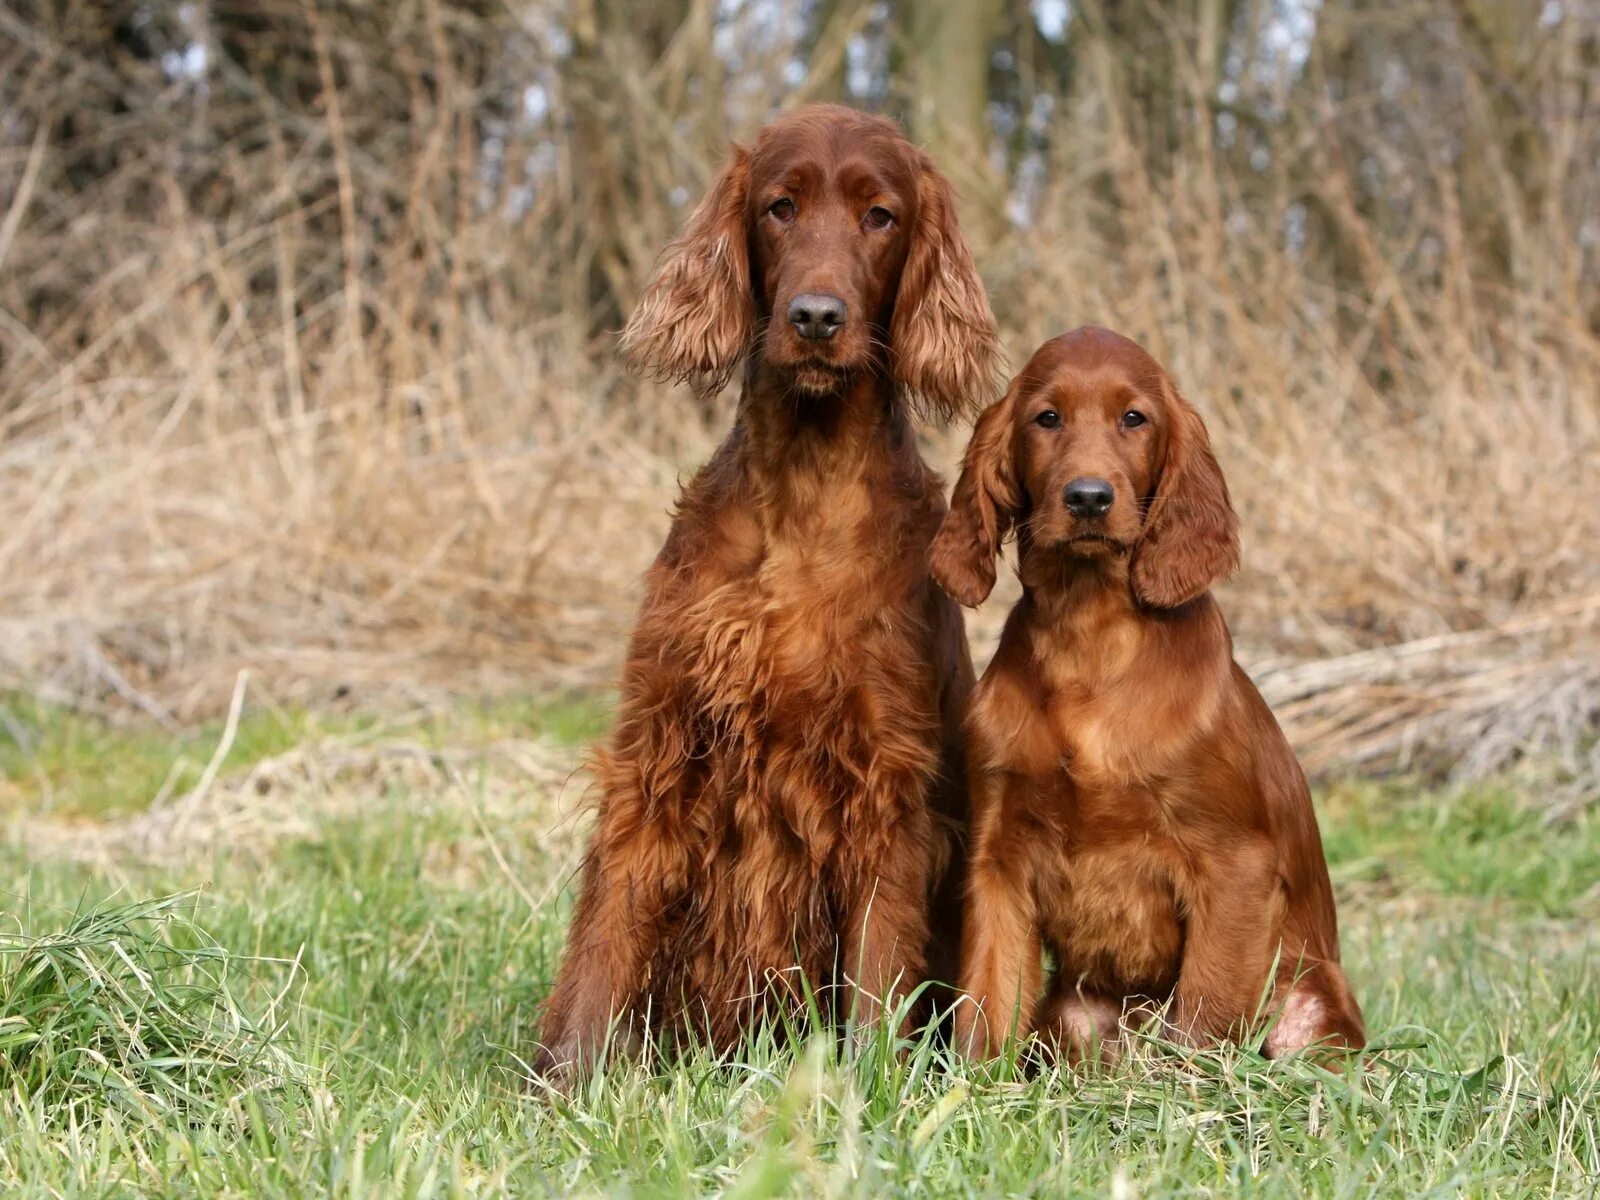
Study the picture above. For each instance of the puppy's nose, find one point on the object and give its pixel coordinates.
(816, 316)
(1090, 497)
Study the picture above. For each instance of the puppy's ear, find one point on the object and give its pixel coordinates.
(1191, 535)
(942, 340)
(696, 317)
(982, 508)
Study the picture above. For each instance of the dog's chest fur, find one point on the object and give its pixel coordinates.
(1092, 753)
(1109, 896)
(805, 648)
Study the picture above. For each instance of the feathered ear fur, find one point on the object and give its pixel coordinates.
(983, 508)
(945, 351)
(697, 316)
(1191, 535)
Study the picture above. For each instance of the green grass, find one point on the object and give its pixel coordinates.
(130, 1006)
(345, 1015)
(54, 759)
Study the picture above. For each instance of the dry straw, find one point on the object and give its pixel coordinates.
(313, 375)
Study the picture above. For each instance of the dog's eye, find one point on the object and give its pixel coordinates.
(1133, 418)
(1049, 418)
(782, 208)
(878, 217)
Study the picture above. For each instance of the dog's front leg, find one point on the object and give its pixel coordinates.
(635, 869)
(1001, 975)
(1234, 913)
(885, 935)
(1000, 966)
(613, 937)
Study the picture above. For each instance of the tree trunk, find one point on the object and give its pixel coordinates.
(946, 59)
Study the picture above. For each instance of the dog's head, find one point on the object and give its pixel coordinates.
(829, 249)
(1091, 454)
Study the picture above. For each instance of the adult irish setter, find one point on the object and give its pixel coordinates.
(1135, 807)
(782, 795)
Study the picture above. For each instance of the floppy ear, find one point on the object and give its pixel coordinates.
(696, 317)
(1191, 535)
(982, 508)
(942, 338)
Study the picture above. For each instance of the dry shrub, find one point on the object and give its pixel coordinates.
(309, 368)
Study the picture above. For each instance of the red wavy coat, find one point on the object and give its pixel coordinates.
(783, 793)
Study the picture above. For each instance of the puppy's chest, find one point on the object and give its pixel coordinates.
(1096, 758)
(1103, 731)
(1110, 897)
(1096, 735)
(1076, 732)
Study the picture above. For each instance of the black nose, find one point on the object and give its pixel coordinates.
(1089, 497)
(815, 316)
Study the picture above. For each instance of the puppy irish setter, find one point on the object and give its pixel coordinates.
(1135, 807)
(780, 802)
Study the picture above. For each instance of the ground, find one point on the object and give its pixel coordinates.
(312, 967)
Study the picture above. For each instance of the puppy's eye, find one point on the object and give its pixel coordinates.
(878, 217)
(1049, 418)
(1133, 418)
(782, 208)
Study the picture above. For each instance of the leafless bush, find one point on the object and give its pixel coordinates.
(308, 364)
